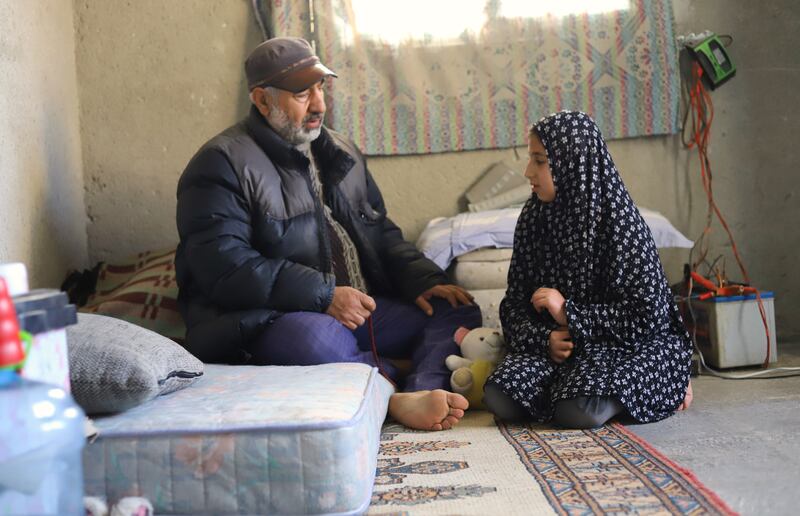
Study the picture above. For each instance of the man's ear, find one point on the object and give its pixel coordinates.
(259, 99)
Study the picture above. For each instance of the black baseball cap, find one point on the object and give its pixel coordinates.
(285, 63)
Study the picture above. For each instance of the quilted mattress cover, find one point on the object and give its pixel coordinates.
(489, 301)
(484, 273)
(482, 269)
(248, 440)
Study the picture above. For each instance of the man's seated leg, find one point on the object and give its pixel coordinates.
(398, 327)
(395, 325)
(436, 342)
(402, 330)
(310, 338)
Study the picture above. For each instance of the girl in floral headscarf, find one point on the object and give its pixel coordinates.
(588, 316)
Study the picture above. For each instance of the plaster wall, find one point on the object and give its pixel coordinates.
(42, 215)
(157, 79)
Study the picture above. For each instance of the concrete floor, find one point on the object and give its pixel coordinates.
(741, 438)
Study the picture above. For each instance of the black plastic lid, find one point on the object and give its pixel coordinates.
(43, 310)
(40, 299)
(40, 321)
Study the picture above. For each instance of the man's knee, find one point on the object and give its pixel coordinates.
(305, 338)
(586, 411)
(469, 314)
(472, 311)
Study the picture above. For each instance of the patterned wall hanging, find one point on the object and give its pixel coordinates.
(482, 88)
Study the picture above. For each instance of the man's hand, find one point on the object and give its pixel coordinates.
(454, 294)
(551, 300)
(350, 306)
(687, 398)
(560, 345)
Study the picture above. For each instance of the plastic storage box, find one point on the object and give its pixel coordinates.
(41, 439)
(45, 314)
(730, 331)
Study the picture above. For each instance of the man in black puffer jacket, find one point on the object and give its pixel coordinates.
(286, 251)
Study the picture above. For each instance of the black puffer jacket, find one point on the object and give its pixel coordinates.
(253, 242)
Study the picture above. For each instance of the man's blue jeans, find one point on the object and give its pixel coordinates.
(401, 330)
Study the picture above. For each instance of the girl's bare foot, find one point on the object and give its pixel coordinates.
(687, 400)
(428, 410)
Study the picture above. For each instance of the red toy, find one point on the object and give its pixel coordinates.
(12, 354)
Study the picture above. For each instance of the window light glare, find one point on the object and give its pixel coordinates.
(449, 20)
(57, 394)
(397, 22)
(43, 409)
(528, 9)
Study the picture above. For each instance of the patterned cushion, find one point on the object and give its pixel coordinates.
(115, 365)
(141, 290)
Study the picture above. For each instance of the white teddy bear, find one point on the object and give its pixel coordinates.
(481, 349)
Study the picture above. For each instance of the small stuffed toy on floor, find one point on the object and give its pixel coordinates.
(481, 350)
(128, 506)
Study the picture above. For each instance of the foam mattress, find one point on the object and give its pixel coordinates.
(489, 301)
(485, 268)
(484, 273)
(248, 440)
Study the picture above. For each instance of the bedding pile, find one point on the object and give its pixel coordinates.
(476, 247)
(446, 238)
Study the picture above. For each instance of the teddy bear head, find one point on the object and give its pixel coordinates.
(481, 344)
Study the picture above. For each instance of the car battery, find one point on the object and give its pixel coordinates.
(729, 330)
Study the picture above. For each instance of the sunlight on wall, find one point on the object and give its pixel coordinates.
(448, 21)
(528, 9)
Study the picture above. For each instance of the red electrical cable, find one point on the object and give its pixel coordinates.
(375, 352)
(703, 111)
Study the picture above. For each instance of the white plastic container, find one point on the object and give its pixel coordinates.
(730, 331)
(16, 276)
(45, 313)
(41, 440)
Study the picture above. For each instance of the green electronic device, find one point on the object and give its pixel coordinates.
(717, 65)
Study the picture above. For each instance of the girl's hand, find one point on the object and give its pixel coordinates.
(560, 345)
(688, 397)
(551, 300)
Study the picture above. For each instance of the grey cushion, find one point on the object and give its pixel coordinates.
(115, 365)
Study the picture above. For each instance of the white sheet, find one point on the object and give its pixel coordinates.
(446, 238)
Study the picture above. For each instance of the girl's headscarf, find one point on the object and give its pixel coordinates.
(591, 242)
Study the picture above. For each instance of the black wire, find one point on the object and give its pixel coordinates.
(714, 263)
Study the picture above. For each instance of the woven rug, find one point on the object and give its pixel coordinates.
(483, 467)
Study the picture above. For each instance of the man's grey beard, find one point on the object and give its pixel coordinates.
(280, 123)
